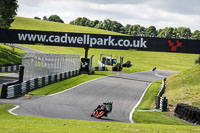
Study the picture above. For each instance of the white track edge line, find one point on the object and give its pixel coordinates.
(77, 86)
(133, 110)
(11, 110)
(158, 75)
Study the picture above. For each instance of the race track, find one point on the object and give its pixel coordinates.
(8, 78)
(77, 103)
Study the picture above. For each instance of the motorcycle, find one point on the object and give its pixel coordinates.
(102, 110)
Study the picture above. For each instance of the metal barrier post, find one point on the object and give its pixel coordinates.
(21, 74)
(4, 91)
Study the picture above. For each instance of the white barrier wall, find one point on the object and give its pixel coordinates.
(39, 65)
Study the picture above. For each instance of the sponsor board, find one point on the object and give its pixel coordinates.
(101, 41)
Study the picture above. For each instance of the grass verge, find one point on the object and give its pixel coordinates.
(153, 117)
(68, 83)
(8, 56)
(184, 87)
(26, 124)
(8, 73)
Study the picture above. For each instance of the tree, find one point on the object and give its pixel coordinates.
(95, 22)
(45, 18)
(175, 32)
(141, 31)
(151, 31)
(8, 9)
(82, 21)
(37, 18)
(55, 18)
(196, 35)
(100, 25)
(116, 26)
(77, 21)
(167, 32)
(183, 33)
(110, 25)
(128, 29)
(137, 30)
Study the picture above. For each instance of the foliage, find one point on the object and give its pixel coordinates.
(167, 32)
(151, 31)
(55, 18)
(45, 18)
(196, 35)
(8, 9)
(137, 30)
(183, 33)
(197, 61)
(110, 25)
(84, 22)
(37, 18)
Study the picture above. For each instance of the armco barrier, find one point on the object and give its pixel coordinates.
(161, 103)
(99, 69)
(20, 89)
(188, 113)
(9, 68)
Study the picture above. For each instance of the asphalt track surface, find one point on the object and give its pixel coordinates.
(77, 103)
(26, 49)
(8, 78)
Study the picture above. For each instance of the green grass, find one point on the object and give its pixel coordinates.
(26, 124)
(153, 117)
(141, 60)
(184, 87)
(8, 73)
(68, 83)
(4, 73)
(8, 57)
(34, 24)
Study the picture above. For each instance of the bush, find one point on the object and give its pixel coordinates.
(197, 61)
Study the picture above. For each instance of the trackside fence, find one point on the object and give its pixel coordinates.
(9, 68)
(20, 89)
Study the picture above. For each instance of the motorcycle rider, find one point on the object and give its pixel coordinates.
(106, 107)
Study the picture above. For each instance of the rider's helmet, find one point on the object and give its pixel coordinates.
(110, 102)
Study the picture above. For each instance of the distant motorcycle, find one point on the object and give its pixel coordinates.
(102, 110)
